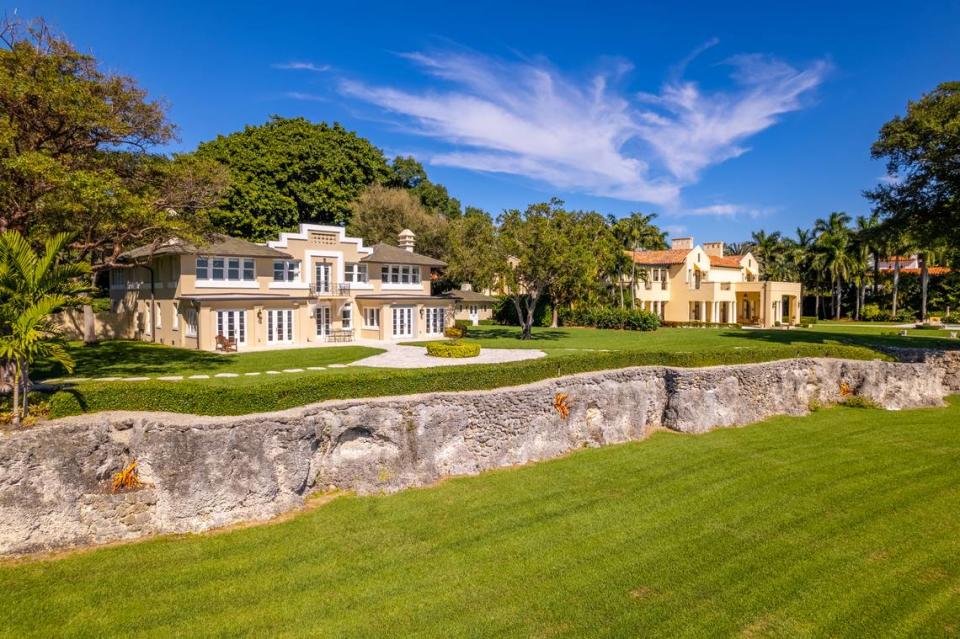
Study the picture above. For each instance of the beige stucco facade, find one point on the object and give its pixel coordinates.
(690, 283)
(306, 288)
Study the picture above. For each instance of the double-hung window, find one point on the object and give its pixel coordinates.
(400, 274)
(286, 270)
(371, 317)
(226, 269)
(346, 317)
(355, 273)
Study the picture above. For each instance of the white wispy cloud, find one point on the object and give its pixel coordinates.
(306, 97)
(727, 210)
(526, 118)
(302, 66)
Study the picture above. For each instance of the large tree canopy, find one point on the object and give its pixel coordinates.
(288, 171)
(74, 157)
(922, 150)
(380, 213)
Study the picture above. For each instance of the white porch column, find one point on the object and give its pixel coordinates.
(733, 313)
(703, 311)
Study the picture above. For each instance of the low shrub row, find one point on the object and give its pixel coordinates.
(873, 313)
(809, 320)
(251, 395)
(603, 317)
(455, 332)
(453, 349)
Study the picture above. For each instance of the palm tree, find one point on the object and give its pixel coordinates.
(32, 286)
(32, 337)
(736, 248)
(637, 232)
(833, 258)
(766, 248)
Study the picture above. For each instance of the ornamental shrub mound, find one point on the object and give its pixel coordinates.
(453, 349)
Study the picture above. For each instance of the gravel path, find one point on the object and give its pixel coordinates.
(416, 357)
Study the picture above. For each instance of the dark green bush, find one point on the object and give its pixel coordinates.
(605, 317)
(808, 320)
(253, 395)
(453, 349)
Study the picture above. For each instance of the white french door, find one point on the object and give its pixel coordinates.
(322, 277)
(402, 321)
(233, 325)
(323, 321)
(436, 320)
(474, 314)
(280, 326)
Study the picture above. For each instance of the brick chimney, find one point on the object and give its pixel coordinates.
(681, 243)
(713, 248)
(407, 240)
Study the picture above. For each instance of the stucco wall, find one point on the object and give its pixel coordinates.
(203, 472)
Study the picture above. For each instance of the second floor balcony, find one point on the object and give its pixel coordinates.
(330, 289)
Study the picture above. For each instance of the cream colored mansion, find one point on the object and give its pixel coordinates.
(688, 283)
(314, 286)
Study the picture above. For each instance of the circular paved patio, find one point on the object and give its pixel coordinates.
(416, 357)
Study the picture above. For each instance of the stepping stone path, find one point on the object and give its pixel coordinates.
(171, 378)
(227, 375)
(199, 377)
(134, 379)
(293, 370)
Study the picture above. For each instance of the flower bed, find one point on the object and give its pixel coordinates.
(453, 349)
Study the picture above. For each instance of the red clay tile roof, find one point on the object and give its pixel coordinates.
(659, 258)
(727, 261)
(932, 270)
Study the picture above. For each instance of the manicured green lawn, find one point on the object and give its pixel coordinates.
(133, 359)
(569, 350)
(842, 523)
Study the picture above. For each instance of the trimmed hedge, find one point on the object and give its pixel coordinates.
(603, 317)
(453, 349)
(252, 395)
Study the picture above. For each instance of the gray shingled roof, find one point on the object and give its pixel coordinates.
(387, 254)
(218, 245)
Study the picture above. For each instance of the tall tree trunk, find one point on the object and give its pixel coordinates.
(837, 310)
(25, 380)
(554, 316)
(896, 287)
(876, 276)
(816, 305)
(856, 301)
(924, 281)
(16, 398)
(621, 290)
(633, 281)
(89, 325)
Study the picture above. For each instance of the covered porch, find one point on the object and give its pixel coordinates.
(768, 304)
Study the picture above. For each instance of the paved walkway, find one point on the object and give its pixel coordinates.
(416, 357)
(395, 356)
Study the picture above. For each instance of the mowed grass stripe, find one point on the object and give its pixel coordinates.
(842, 523)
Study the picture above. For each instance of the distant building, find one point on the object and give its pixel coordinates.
(689, 283)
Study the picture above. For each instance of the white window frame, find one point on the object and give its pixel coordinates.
(241, 327)
(280, 325)
(356, 273)
(158, 316)
(289, 270)
(208, 268)
(371, 317)
(400, 276)
(175, 325)
(324, 328)
(436, 320)
(346, 317)
(410, 312)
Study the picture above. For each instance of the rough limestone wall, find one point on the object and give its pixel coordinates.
(204, 472)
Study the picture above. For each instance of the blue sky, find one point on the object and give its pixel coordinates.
(722, 120)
